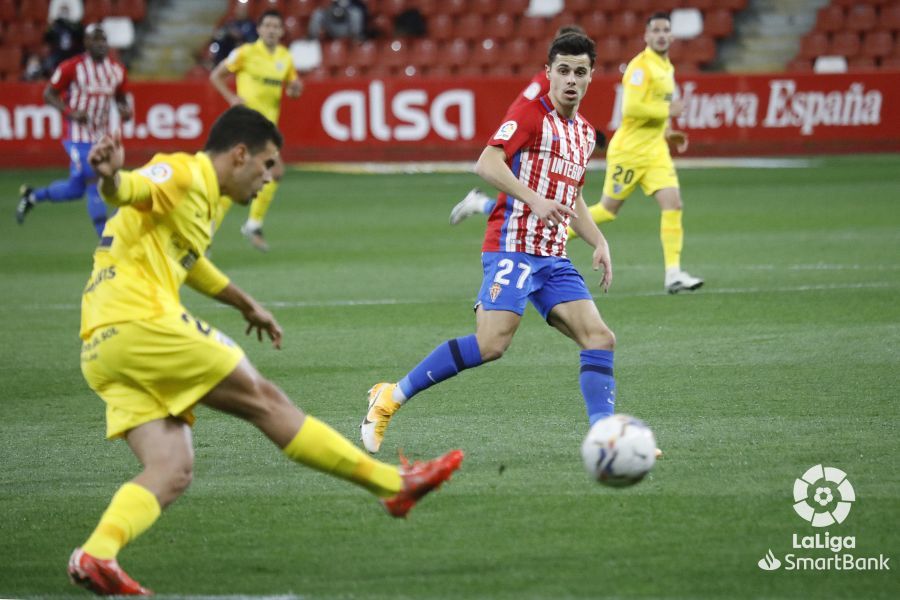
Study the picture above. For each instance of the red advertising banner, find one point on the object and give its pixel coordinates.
(450, 119)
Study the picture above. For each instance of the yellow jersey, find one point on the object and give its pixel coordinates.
(261, 76)
(155, 242)
(648, 85)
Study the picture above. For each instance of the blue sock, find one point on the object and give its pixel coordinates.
(96, 208)
(64, 190)
(597, 383)
(444, 362)
(489, 206)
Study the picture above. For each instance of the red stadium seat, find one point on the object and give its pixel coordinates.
(800, 65)
(718, 23)
(29, 34)
(830, 19)
(440, 27)
(518, 53)
(609, 49)
(580, 8)
(732, 5)
(335, 53)
(877, 44)
(382, 24)
(595, 24)
(701, 50)
(845, 43)
(300, 8)
(394, 53)
(632, 47)
(258, 7)
(391, 8)
(8, 11)
(484, 8)
(627, 24)
(96, 10)
(814, 44)
(136, 10)
(889, 18)
(34, 10)
(428, 8)
(861, 17)
(687, 67)
(469, 27)
(534, 28)
(455, 54)
(513, 7)
(364, 55)
(10, 61)
(454, 7)
(890, 62)
(294, 29)
(860, 63)
(500, 26)
(486, 54)
(423, 52)
(610, 6)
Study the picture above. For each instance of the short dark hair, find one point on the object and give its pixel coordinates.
(659, 15)
(568, 29)
(270, 13)
(242, 125)
(572, 44)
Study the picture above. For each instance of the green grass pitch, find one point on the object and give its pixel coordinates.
(788, 358)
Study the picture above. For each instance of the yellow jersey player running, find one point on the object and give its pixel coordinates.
(261, 68)
(151, 361)
(638, 153)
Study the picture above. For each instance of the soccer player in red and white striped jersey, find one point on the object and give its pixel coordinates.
(537, 159)
(84, 89)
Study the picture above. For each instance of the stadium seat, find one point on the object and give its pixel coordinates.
(136, 10)
(889, 18)
(10, 61)
(890, 62)
(686, 23)
(830, 19)
(469, 27)
(300, 8)
(306, 54)
(609, 49)
(96, 10)
(423, 52)
(595, 24)
(501, 26)
(861, 63)
(455, 54)
(814, 44)
(579, 8)
(627, 23)
(701, 50)
(440, 27)
(119, 32)
(513, 7)
(29, 34)
(544, 8)
(844, 43)
(486, 54)
(391, 8)
(454, 7)
(632, 47)
(364, 55)
(485, 8)
(732, 5)
(394, 53)
(830, 64)
(877, 44)
(687, 67)
(258, 7)
(800, 65)
(861, 17)
(534, 29)
(294, 29)
(8, 11)
(34, 10)
(718, 23)
(518, 53)
(428, 8)
(610, 6)
(335, 53)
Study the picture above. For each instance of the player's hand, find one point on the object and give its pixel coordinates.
(235, 101)
(261, 320)
(679, 138)
(294, 89)
(107, 156)
(602, 259)
(550, 212)
(676, 108)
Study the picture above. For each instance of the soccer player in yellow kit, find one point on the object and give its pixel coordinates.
(261, 68)
(151, 361)
(638, 153)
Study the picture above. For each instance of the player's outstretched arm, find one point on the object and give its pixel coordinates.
(590, 233)
(492, 167)
(219, 80)
(257, 317)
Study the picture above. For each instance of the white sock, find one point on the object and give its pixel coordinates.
(253, 224)
(398, 396)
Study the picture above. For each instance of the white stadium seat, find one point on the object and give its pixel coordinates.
(686, 23)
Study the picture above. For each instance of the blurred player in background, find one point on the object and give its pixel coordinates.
(262, 68)
(151, 361)
(524, 250)
(476, 201)
(639, 150)
(83, 88)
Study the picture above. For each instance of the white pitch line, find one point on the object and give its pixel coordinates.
(874, 285)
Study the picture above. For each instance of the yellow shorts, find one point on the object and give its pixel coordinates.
(152, 369)
(625, 171)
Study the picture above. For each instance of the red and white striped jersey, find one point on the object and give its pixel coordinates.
(91, 86)
(549, 153)
(537, 87)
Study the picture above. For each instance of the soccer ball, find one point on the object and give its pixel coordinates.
(619, 450)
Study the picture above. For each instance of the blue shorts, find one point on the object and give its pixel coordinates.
(79, 166)
(512, 278)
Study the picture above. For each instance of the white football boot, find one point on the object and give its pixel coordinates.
(679, 281)
(472, 204)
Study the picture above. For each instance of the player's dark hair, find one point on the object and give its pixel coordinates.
(572, 44)
(569, 29)
(242, 125)
(270, 13)
(659, 15)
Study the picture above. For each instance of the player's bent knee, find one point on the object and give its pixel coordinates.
(602, 339)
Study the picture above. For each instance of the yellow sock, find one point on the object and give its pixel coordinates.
(599, 214)
(131, 512)
(672, 236)
(260, 205)
(319, 446)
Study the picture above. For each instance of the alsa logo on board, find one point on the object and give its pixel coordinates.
(161, 122)
(356, 115)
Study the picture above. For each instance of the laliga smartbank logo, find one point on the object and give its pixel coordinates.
(823, 497)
